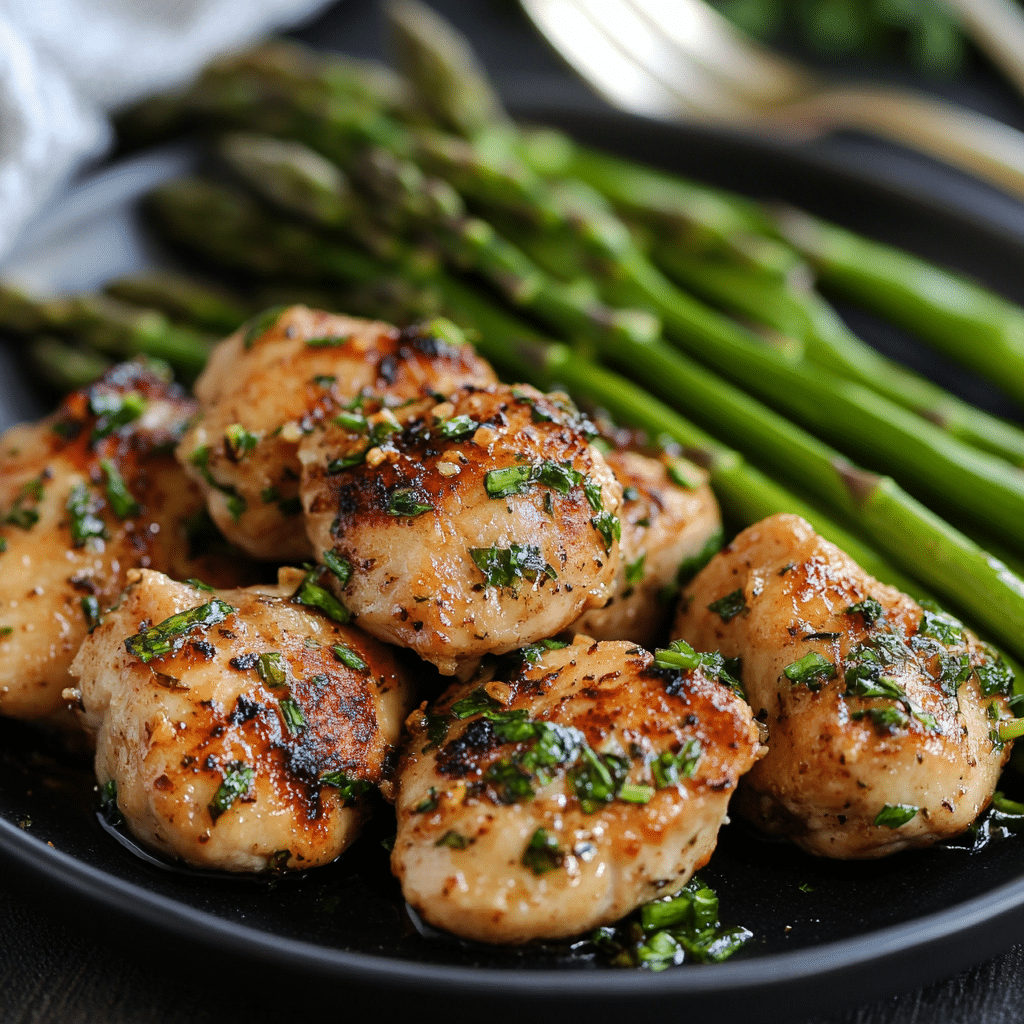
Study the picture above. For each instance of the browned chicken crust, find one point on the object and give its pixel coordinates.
(505, 833)
(880, 714)
(483, 523)
(251, 743)
(277, 378)
(87, 494)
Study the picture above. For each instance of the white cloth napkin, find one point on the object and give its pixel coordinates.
(65, 63)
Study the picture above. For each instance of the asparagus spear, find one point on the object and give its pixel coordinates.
(794, 308)
(108, 327)
(968, 322)
(185, 300)
(63, 366)
(457, 94)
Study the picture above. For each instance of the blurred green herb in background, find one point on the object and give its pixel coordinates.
(921, 32)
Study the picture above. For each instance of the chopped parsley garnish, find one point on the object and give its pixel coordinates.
(896, 815)
(82, 506)
(634, 793)
(199, 584)
(118, 495)
(670, 931)
(272, 668)
(341, 567)
(169, 635)
(532, 653)
(630, 494)
(291, 713)
(339, 465)
(995, 677)
(428, 805)
(348, 789)
(454, 840)
(236, 504)
(91, 611)
(869, 610)
(238, 778)
(542, 853)
(238, 442)
(329, 341)
(728, 607)
(508, 567)
(884, 718)
(479, 700)
(6, 631)
(349, 658)
(21, 514)
(684, 475)
(404, 502)
(592, 489)
(108, 802)
(679, 656)
(311, 594)
(113, 411)
(668, 768)
(596, 780)
(352, 420)
(260, 324)
(501, 483)
(942, 627)
(456, 428)
(812, 670)
(558, 476)
(609, 527)
(634, 571)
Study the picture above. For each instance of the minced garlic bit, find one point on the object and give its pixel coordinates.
(374, 457)
(443, 411)
(484, 436)
(449, 468)
(291, 432)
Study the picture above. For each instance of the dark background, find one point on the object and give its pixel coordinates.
(64, 959)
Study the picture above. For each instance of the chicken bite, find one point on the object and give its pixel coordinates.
(880, 713)
(85, 495)
(671, 526)
(483, 523)
(579, 782)
(271, 382)
(239, 729)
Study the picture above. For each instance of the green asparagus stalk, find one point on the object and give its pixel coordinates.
(792, 307)
(458, 95)
(184, 300)
(63, 366)
(108, 327)
(964, 320)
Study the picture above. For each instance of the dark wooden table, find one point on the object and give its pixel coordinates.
(65, 961)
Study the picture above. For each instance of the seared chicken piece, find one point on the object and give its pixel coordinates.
(880, 713)
(85, 495)
(578, 784)
(240, 729)
(271, 382)
(487, 522)
(671, 526)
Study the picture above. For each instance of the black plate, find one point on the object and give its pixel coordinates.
(821, 928)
